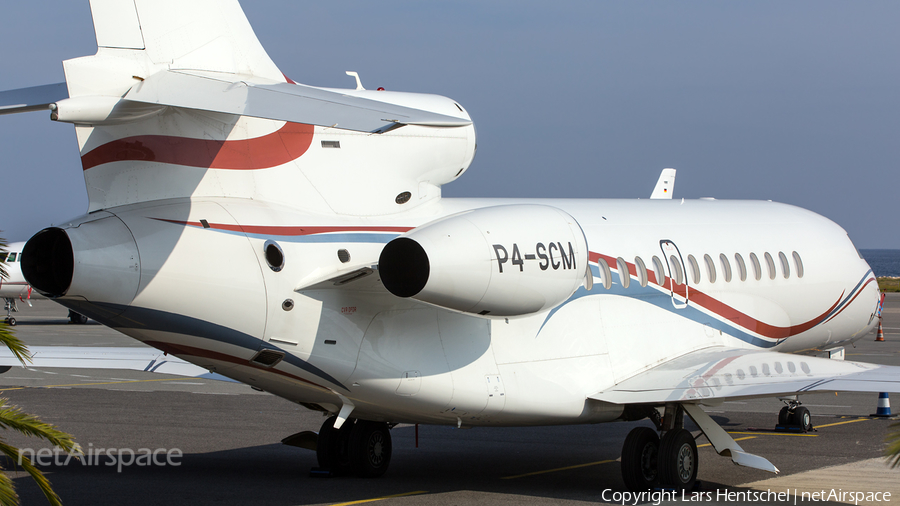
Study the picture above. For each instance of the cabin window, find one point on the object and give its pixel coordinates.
(658, 270)
(798, 264)
(605, 275)
(726, 267)
(710, 268)
(624, 276)
(676, 270)
(785, 265)
(757, 269)
(741, 266)
(641, 270)
(770, 265)
(695, 269)
(11, 258)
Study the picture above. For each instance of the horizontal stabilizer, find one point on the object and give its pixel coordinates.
(135, 359)
(283, 102)
(722, 374)
(36, 98)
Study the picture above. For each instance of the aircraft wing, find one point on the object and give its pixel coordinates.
(221, 92)
(712, 375)
(35, 98)
(135, 359)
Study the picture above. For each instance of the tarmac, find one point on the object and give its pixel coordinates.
(219, 443)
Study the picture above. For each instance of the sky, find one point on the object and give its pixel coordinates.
(796, 102)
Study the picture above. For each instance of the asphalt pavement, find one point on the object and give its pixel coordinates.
(199, 441)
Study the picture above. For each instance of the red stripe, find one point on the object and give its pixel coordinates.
(181, 350)
(288, 231)
(277, 148)
(725, 311)
(851, 300)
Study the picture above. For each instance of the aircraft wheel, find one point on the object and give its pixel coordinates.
(802, 418)
(11, 321)
(678, 460)
(370, 446)
(784, 416)
(77, 318)
(639, 459)
(333, 446)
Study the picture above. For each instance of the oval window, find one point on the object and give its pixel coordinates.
(785, 265)
(624, 275)
(695, 269)
(641, 271)
(659, 271)
(770, 265)
(741, 266)
(757, 269)
(676, 269)
(605, 275)
(710, 268)
(726, 267)
(798, 264)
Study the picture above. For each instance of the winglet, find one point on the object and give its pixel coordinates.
(665, 185)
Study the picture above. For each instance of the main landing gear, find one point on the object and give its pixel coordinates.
(77, 318)
(794, 415)
(649, 461)
(359, 447)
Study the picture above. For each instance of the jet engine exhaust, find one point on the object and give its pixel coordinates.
(48, 262)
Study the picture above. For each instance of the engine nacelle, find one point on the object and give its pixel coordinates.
(499, 261)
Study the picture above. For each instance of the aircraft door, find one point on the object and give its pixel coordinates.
(678, 279)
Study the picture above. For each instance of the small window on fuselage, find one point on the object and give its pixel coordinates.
(726, 267)
(798, 264)
(742, 267)
(11, 258)
(641, 270)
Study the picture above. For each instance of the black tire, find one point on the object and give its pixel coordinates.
(802, 418)
(784, 416)
(370, 447)
(678, 460)
(639, 459)
(333, 446)
(11, 321)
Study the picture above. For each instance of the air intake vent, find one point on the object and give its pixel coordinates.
(267, 358)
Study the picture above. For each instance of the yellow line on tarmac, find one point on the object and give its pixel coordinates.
(842, 423)
(775, 434)
(361, 501)
(89, 384)
(736, 439)
(557, 469)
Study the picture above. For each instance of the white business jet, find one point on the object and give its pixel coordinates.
(13, 288)
(294, 238)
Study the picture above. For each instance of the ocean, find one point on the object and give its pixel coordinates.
(885, 262)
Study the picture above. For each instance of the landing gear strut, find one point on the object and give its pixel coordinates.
(359, 447)
(670, 462)
(10, 307)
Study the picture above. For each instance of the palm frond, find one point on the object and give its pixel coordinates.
(15, 345)
(8, 495)
(3, 273)
(12, 417)
(42, 482)
(892, 452)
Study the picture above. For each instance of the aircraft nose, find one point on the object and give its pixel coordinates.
(93, 260)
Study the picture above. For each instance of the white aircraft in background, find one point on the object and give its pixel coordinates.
(14, 286)
(294, 238)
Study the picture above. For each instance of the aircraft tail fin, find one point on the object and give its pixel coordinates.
(210, 35)
(665, 185)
